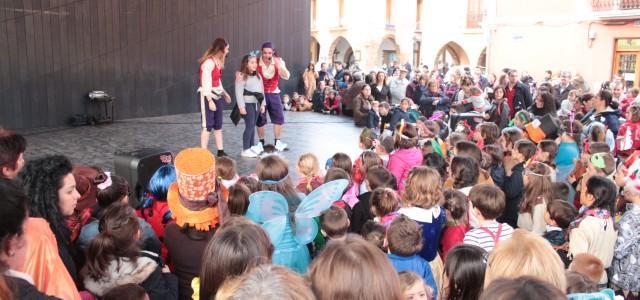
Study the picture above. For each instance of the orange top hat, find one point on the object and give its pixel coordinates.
(194, 197)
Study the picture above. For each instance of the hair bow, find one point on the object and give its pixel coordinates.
(107, 183)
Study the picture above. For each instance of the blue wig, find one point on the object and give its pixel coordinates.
(160, 182)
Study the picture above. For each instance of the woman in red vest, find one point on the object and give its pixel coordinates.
(212, 94)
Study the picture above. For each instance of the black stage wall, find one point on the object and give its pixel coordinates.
(144, 52)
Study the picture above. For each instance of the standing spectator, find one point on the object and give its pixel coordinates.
(310, 76)
(616, 90)
(398, 86)
(339, 71)
(562, 89)
(543, 105)
(380, 89)
(323, 74)
(517, 93)
(411, 87)
(606, 111)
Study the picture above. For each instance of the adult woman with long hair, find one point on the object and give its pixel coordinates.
(250, 100)
(543, 104)
(362, 105)
(606, 111)
(310, 76)
(13, 245)
(212, 94)
(51, 189)
(380, 88)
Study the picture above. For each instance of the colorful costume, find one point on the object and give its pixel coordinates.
(271, 211)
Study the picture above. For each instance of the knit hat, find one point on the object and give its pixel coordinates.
(195, 200)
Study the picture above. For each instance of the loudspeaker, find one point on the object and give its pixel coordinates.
(138, 166)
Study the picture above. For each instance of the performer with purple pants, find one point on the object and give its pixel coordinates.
(212, 94)
(271, 68)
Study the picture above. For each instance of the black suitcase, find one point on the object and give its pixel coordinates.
(138, 166)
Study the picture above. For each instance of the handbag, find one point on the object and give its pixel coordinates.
(235, 115)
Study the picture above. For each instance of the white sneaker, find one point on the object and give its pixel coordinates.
(257, 149)
(248, 153)
(280, 146)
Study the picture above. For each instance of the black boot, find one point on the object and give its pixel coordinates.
(221, 153)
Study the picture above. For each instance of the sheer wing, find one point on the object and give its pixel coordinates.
(270, 210)
(313, 205)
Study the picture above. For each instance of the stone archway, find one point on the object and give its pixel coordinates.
(314, 50)
(451, 54)
(388, 51)
(341, 50)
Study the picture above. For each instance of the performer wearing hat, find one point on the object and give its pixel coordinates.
(271, 69)
(212, 94)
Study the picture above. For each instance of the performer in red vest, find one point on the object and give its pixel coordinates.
(212, 94)
(271, 69)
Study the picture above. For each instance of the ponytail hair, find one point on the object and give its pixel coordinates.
(119, 229)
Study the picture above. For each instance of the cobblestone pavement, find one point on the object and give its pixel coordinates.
(304, 132)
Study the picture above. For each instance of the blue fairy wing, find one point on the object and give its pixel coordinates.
(270, 210)
(313, 205)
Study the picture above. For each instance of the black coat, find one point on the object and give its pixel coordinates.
(513, 188)
(382, 95)
(361, 213)
(522, 98)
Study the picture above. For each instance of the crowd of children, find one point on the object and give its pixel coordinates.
(469, 198)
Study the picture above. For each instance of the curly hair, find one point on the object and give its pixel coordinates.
(41, 180)
(423, 188)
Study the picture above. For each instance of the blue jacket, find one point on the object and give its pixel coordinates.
(416, 264)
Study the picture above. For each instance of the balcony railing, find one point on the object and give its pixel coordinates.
(608, 5)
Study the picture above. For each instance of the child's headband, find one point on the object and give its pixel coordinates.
(274, 182)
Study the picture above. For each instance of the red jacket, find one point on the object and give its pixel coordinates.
(628, 138)
(332, 106)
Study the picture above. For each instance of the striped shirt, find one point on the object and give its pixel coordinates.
(480, 236)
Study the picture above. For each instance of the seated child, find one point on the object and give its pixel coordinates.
(226, 170)
(238, 199)
(588, 265)
(558, 216)
(579, 283)
(385, 148)
(413, 286)
(309, 170)
(404, 238)
(334, 223)
(487, 203)
(332, 103)
(373, 116)
(374, 233)
(455, 205)
(384, 205)
(377, 177)
(385, 117)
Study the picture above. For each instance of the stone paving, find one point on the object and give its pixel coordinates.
(304, 132)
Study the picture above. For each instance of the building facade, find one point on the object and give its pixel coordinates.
(594, 38)
(371, 33)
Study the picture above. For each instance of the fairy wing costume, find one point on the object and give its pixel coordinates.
(290, 232)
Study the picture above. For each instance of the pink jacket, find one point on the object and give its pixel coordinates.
(401, 162)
